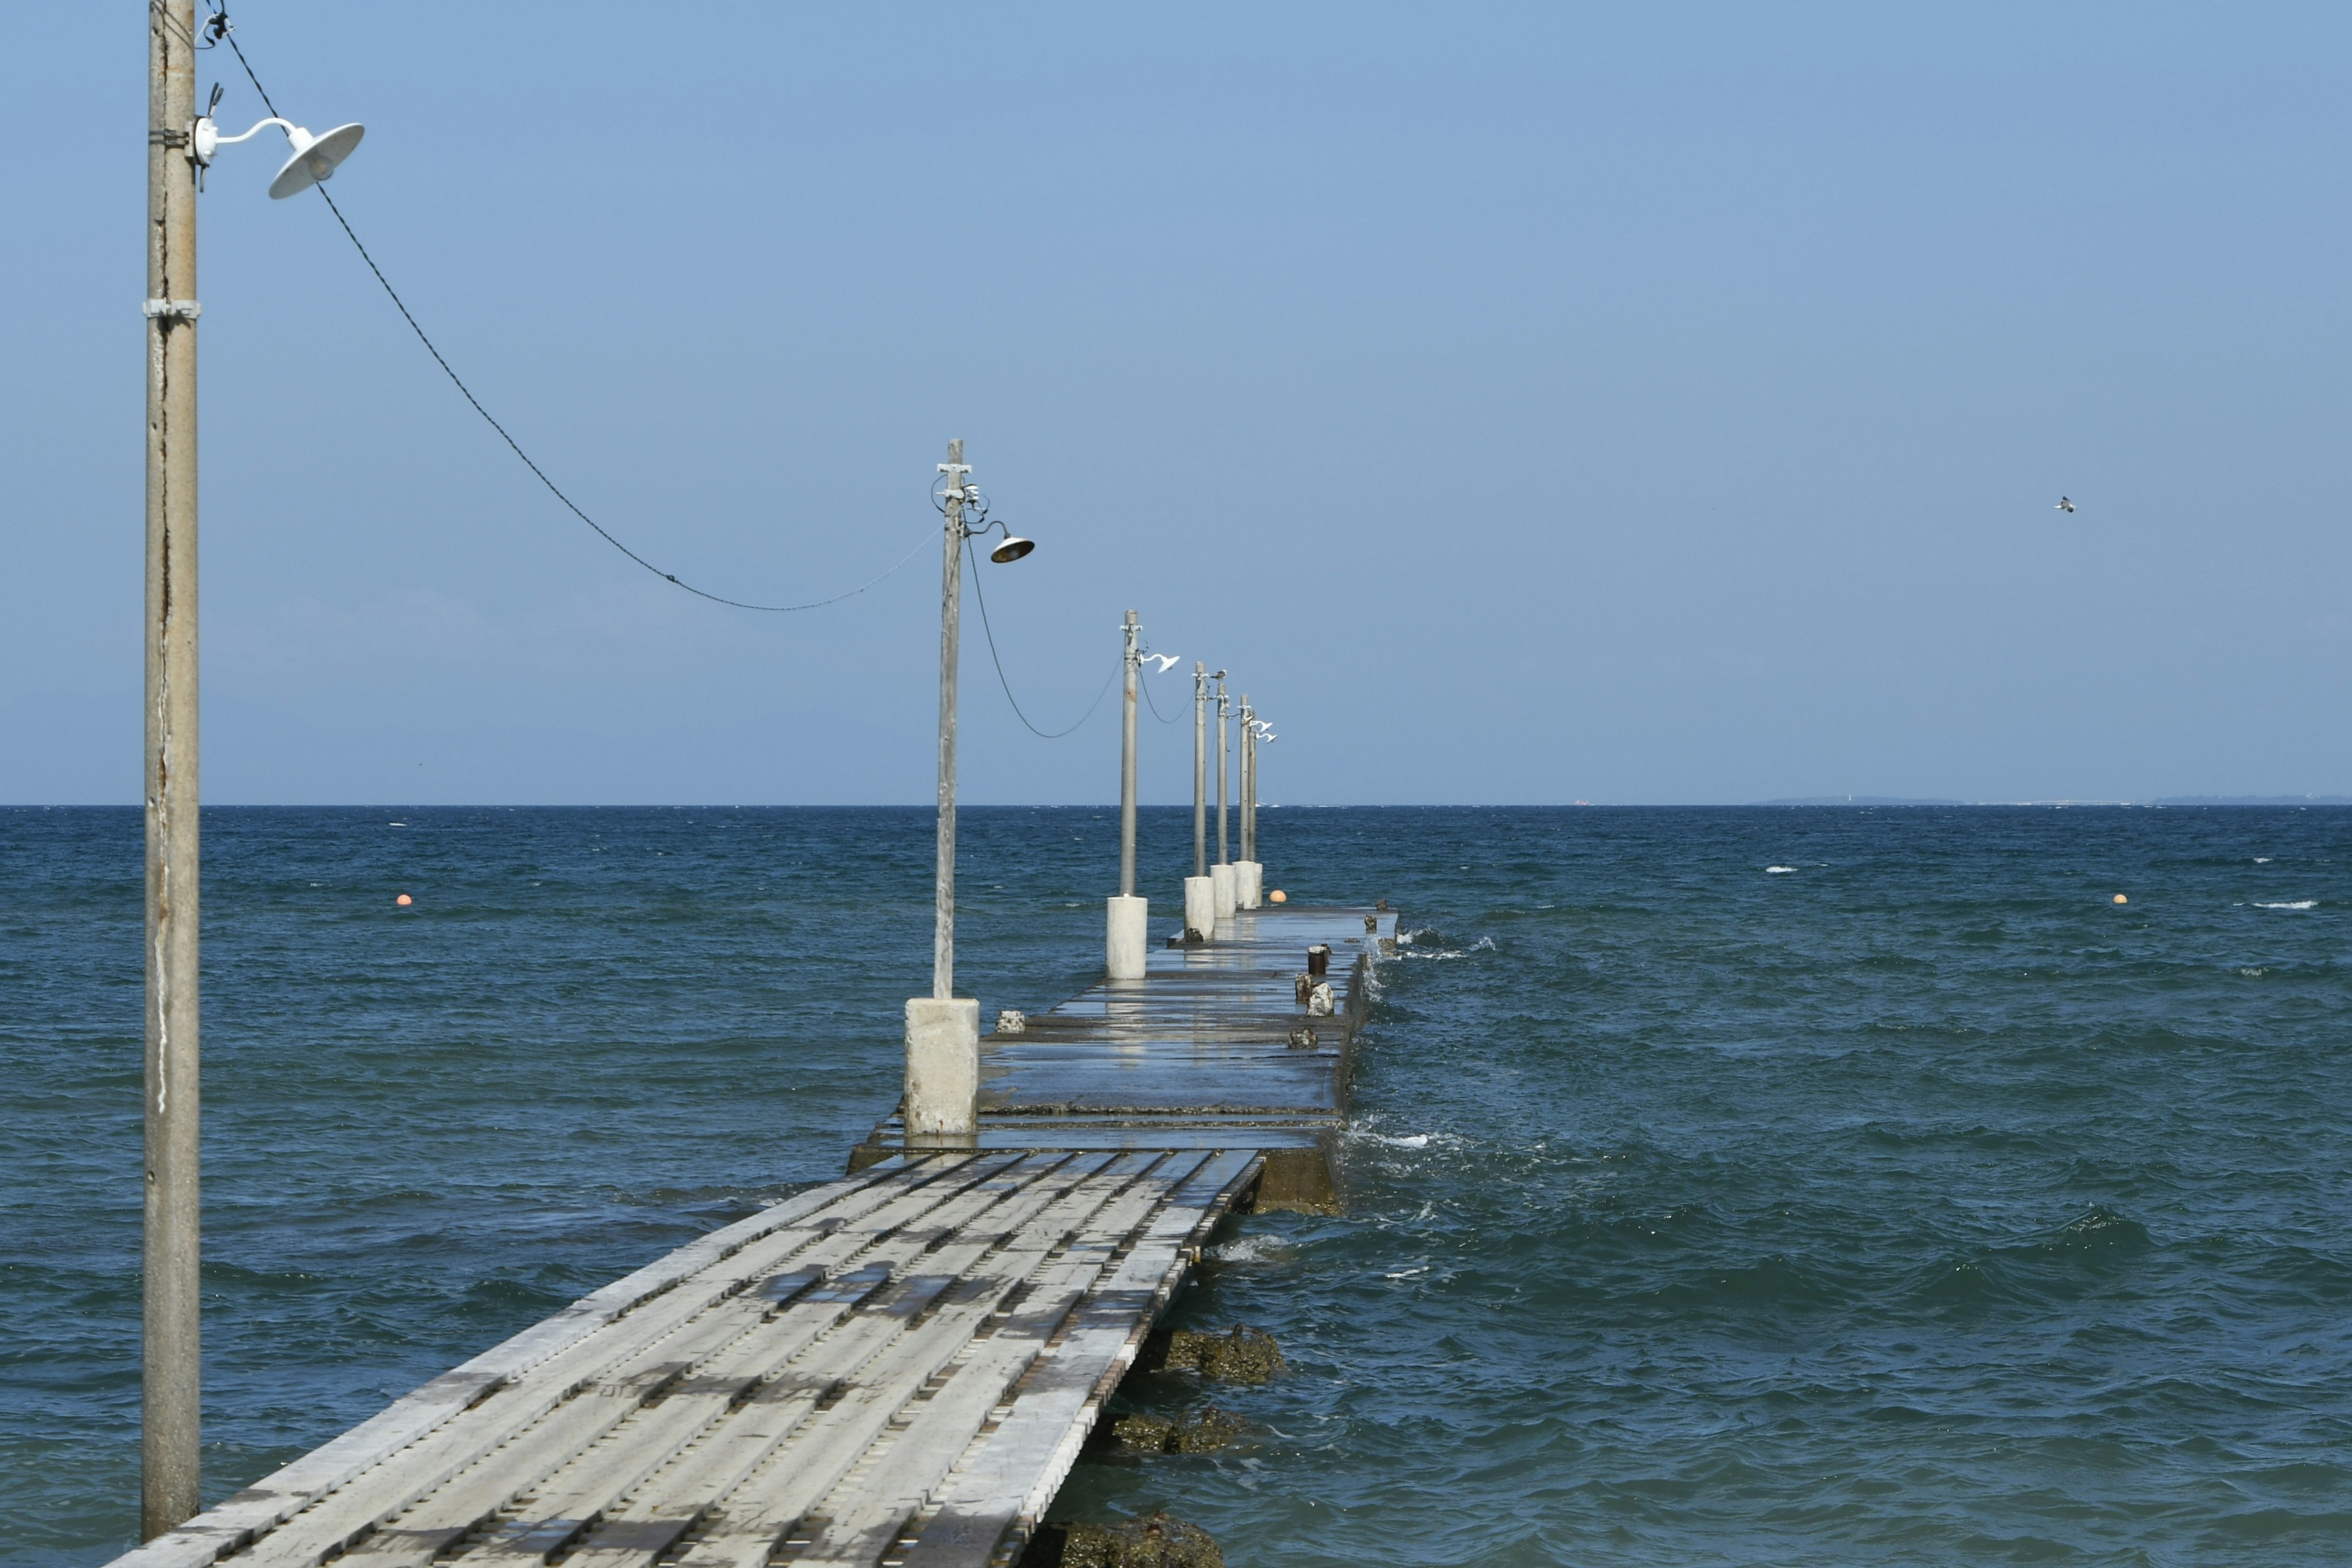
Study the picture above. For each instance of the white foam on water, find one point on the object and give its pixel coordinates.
(2253, 971)
(2297, 904)
(1777, 871)
(2261, 859)
(1406, 1273)
(1253, 1249)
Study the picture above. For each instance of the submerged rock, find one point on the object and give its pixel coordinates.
(1147, 1541)
(1244, 1355)
(1201, 1431)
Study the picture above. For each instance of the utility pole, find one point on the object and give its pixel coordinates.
(1224, 766)
(1132, 658)
(1224, 881)
(1249, 779)
(171, 1321)
(1200, 769)
(1248, 872)
(951, 616)
(941, 1109)
(1128, 922)
(1200, 888)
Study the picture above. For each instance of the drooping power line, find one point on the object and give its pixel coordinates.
(216, 27)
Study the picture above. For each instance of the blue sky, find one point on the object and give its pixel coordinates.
(1628, 403)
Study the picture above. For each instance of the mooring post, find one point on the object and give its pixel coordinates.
(943, 1030)
(1200, 899)
(171, 1374)
(1246, 870)
(1129, 916)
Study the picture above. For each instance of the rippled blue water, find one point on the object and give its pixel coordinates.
(1913, 1203)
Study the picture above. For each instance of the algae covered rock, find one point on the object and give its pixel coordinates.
(1147, 1541)
(1201, 1431)
(1244, 1355)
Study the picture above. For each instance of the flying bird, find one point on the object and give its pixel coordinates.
(1165, 660)
(2066, 505)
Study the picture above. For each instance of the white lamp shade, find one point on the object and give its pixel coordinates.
(314, 158)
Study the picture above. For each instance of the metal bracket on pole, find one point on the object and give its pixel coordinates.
(171, 309)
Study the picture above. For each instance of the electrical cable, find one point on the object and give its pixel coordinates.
(1145, 682)
(217, 27)
(991, 633)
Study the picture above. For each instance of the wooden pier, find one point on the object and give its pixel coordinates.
(898, 1368)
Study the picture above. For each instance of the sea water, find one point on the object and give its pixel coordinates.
(1726, 1186)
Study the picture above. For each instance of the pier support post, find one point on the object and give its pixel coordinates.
(1199, 909)
(1221, 895)
(1123, 953)
(170, 1375)
(941, 1108)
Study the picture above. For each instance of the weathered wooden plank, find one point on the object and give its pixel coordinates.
(238, 1519)
(619, 1360)
(571, 1501)
(1008, 1478)
(865, 1513)
(812, 1463)
(524, 1458)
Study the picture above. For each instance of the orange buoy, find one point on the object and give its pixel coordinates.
(2121, 900)
(403, 900)
(1277, 897)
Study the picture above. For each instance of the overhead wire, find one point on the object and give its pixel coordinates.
(216, 27)
(989, 632)
(1146, 684)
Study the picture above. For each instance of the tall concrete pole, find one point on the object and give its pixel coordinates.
(1200, 888)
(1224, 878)
(1249, 779)
(1127, 915)
(942, 1105)
(1224, 766)
(1200, 769)
(951, 613)
(1127, 762)
(170, 1372)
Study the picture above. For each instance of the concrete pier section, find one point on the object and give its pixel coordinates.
(1218, 1047)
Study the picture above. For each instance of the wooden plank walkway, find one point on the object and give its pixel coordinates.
(896, 1368)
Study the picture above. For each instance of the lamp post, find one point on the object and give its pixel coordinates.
(1200, 891)
(1129, 916)
(943, 1029)
(1246, 871)
(181, 142)
(1221, 875)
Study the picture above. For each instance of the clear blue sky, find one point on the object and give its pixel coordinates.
(1632, 404)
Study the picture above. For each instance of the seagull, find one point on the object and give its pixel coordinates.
(1165, 659)
(2066, 505)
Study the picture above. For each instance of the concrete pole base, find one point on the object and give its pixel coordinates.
(942, 1072)
(1199, 909)
(1123, 949)
(1221, 892)
(1249, 879)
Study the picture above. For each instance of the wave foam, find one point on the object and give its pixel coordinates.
(2297, 904)
(1777, 871)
